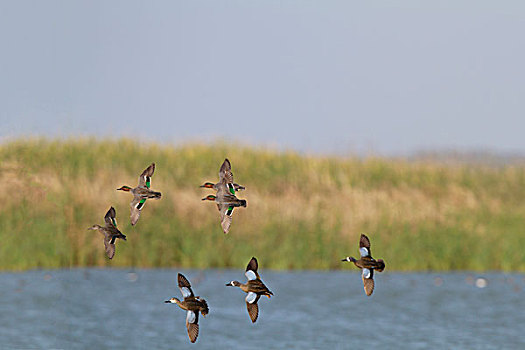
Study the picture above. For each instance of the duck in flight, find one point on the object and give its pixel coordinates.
(110, 232)
(141, 193)
(192, 304)
(225, 171)
(225, 196)
(254, 287)
(367, 264)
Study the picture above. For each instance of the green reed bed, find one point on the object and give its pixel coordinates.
(304, 212)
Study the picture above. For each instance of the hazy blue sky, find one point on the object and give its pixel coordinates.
(392, 77)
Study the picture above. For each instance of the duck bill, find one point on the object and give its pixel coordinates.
(167, 302)
(228, 284)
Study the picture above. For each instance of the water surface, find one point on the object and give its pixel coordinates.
(124, 309)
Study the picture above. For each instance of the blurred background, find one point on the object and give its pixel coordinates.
(399, 119)
(336, 77)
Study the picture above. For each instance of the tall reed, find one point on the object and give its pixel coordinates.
(304, 212)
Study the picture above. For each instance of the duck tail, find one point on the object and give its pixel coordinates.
(204, 307)
(381, 265)
(155, 195)
(243, 203)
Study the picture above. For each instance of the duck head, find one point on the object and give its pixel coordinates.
(350, 259)
(210, 197)
(95, 227)
(208, 185)
(124, 188)
(233, 284)
(173, 301)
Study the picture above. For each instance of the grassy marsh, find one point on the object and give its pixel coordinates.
(304, 212)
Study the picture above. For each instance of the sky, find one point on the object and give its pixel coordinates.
(385, 77)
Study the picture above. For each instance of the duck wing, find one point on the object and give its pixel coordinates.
(109, 244)
(251, 270)
(110, 218)
(251, 306)
(364, 246)
(368, 281)
(136, 206)
(184, 286)
(225, 173)
(226, 216)
(226, 176)
(192, 324)
(238, 187)
(145, 177)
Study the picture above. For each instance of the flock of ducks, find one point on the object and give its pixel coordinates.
(226, 201)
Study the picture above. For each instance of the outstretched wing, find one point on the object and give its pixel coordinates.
(184, 286)
(226, 216)
(368, 281)
(253, 308)
(251, 270)
(192, 324)
(136, 206)
(110, 218)
(145, 177)
(238, 187)
(364, 246)
(110, 246)
(225, 174)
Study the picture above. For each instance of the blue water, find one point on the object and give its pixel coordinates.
(121, 309)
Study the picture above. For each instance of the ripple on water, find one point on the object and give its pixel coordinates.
(94, 308)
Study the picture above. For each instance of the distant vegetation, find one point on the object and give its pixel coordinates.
(304, 212)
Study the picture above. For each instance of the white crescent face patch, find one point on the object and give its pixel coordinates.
(185, 292)
(250, 298)
(363, 251)
(250, 275)
(190, 317)
(366, 273)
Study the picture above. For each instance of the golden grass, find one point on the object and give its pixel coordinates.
(303, 211)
